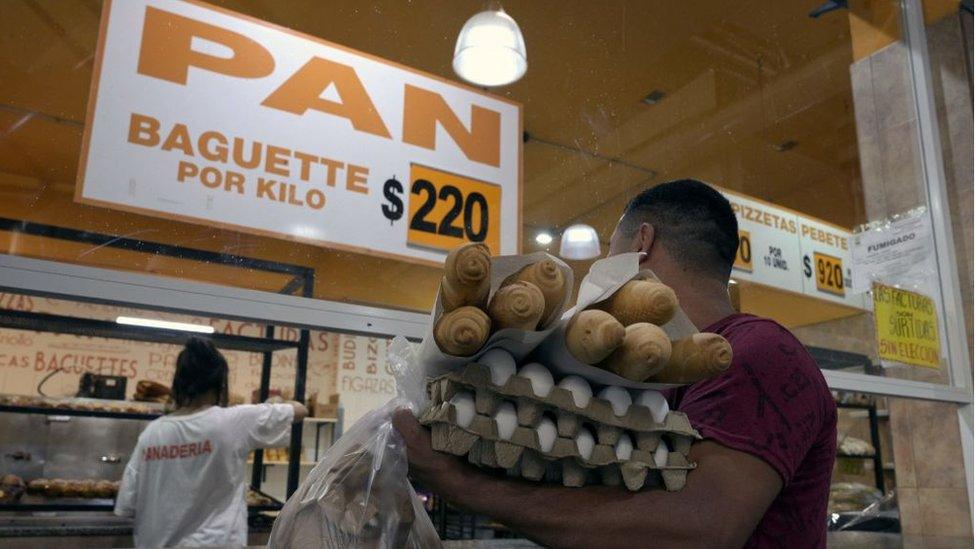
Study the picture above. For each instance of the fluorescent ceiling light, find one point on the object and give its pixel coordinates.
(579, 242)
(165, 324)
(544, 238)
(490, 50)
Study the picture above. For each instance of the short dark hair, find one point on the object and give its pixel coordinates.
(200, 368)
(695, 223)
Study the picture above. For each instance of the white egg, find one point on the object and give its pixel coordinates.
(579, 388)
(539, 376)
(624, 447)
(500, 363)
(506, 420)
(546, 430)
(655, 402)
(464, 408)
(585, 443)
(661, 455)
(618, 397)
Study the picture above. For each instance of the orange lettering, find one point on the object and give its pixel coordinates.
(306, 161)
(303, 90)
(332, 166)
(356, 179)
(266, 188)
(424, 109)
(276, 161)
(255, 159)
(143, 130)
(234, 180)
(178, 138)
(167, 49)
(218, 153)
(186, 170)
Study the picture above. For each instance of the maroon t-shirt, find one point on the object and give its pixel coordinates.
(773, 403)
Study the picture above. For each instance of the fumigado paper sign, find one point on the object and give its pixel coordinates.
(204, 115)
(891, 251)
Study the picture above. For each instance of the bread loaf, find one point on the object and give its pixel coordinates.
(694, 358)
(549, 278)
(467, 277)
(641, 301)
(517, 305)
(592, 335)
(644, 351)
(462, 331)
(151, 390)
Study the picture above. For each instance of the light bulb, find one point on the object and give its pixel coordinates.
(580, 242)
(490, 50)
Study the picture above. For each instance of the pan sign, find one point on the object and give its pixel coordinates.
(203, 115)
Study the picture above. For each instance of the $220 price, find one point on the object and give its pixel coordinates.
(445, 209)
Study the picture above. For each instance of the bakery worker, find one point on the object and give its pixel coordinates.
(768, 423)
(185, 479)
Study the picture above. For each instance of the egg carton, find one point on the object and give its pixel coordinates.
(569, 418)
(522, 455)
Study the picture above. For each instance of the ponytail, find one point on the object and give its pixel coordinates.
(200, 368)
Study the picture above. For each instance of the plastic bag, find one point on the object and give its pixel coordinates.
(358, 495)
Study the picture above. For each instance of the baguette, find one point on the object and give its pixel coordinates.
(466, 279)
(549, 278)
(644, 351)
(592, 335)
(462, 331)
(641, 301)
(694, 358)
(518, 305)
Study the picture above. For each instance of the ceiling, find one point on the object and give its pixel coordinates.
(740, 79)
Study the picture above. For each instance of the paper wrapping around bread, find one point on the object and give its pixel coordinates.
(606, 276)
(519, 343)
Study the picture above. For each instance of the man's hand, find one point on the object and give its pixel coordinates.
(437, 471)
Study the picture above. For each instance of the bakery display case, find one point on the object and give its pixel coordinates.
(64, 456)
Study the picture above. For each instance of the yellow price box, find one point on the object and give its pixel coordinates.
(830, 273)
(447, 209)
(743, 257)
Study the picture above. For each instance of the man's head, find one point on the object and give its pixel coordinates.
(681, 225)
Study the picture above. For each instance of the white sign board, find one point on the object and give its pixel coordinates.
(204, 115)
(793, 252)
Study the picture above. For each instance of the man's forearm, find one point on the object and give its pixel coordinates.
(596, 516)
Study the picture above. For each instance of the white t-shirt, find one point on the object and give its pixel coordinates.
(185, 480)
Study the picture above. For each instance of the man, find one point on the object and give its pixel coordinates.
(768, 423)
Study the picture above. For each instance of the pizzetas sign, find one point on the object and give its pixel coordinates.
(203, 115)
(794, 252)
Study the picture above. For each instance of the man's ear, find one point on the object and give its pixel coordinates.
(645, 238)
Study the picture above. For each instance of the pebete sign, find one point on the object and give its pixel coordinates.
(204, 115)
(793, 252)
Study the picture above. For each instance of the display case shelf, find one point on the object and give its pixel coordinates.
(39, 504)
(76, 413)
(870, 457)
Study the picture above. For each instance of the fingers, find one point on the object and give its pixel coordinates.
(406, 423)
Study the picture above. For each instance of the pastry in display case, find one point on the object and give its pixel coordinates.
(11, 488)
(72, 488)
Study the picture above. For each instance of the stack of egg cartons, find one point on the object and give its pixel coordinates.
(524, 421)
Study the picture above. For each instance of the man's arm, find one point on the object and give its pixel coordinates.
(723, 500)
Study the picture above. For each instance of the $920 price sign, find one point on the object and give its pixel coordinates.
(445, 210)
